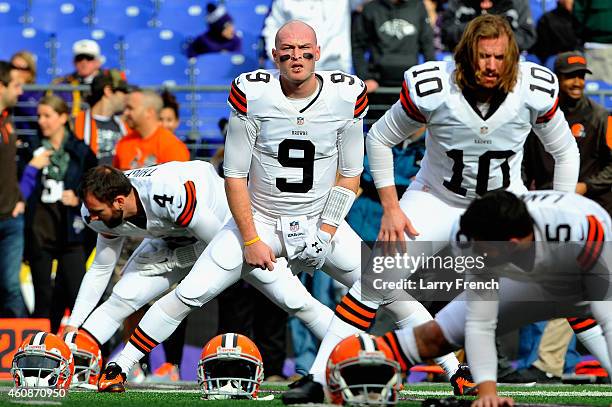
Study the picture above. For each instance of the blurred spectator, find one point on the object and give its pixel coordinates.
(460, 12)
(547, 349)
(589, 123)
(434, 8)
(392, 33)
(25, 64)
(54, 226)
(148, 142)
(595, 30)
(331, 20)
(169, 115)
(594, 17)
(87, 66)
(221, 34)
(11, 200)
(217, 158)
(100, 126)
(556, 32)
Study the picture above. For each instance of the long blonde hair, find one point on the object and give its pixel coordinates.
(29, 58)
(466, 52)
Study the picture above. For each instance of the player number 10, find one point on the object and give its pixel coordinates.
(482, 177)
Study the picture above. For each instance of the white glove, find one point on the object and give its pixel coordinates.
(164, 259)
(157, 262)
(315, 249)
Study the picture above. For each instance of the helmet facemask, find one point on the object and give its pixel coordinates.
(85, 367)
(231, 375)
(40, 369)
(366, 380)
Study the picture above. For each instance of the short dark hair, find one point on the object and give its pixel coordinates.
(170, 102)
(5, 72)
(108, 77)
(105, 183)
(497, 216)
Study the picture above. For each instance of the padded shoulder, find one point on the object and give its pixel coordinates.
(539, 87)
(428, 84)
(349, 89)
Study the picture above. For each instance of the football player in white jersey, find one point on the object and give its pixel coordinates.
(540, 216)
(478, 110)
(298, 136)
(177, 207)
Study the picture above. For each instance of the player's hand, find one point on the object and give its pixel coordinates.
(315, 249)
(18, 209)
(492, 400)
(70, 328)
(69, 198)
(581, 188)
(260, 255)
(157, 262)
(393, 225)
(371, 85)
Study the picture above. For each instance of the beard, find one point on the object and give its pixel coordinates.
(115, 220)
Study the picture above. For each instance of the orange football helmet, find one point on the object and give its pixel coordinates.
(361, 370)
(43, 360)
(230, 367)
(87, 357)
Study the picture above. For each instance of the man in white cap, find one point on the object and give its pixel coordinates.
(87, 64)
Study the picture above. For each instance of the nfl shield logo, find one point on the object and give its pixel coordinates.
(294, 226)
(300, 121)
(484, 130)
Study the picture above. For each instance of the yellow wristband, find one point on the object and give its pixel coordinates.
(253, 240)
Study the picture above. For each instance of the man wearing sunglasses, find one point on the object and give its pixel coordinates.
(86, 67)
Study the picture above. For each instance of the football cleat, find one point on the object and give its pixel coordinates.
(462, 382)
(112, 379)
(305, 390)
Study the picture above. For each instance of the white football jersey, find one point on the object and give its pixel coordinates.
(297, 153)
(567, 217)
(173, 195)
(468, 154)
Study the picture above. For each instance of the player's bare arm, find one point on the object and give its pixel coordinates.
(256, 252)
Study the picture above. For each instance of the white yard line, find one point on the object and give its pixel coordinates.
(544, 393)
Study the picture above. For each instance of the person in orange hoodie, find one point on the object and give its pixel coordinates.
(148, 143)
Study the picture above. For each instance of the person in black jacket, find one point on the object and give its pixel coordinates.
(460, 12)
(393, 32)
(556, 32)
(591, 126)
(54, 228)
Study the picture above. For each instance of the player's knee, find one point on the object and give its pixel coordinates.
(430, 340)
(305, 309)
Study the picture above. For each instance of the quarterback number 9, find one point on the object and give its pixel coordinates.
(305, 162)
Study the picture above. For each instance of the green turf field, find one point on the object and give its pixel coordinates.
(187, 394)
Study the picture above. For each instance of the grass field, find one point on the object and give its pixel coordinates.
(187, 394)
